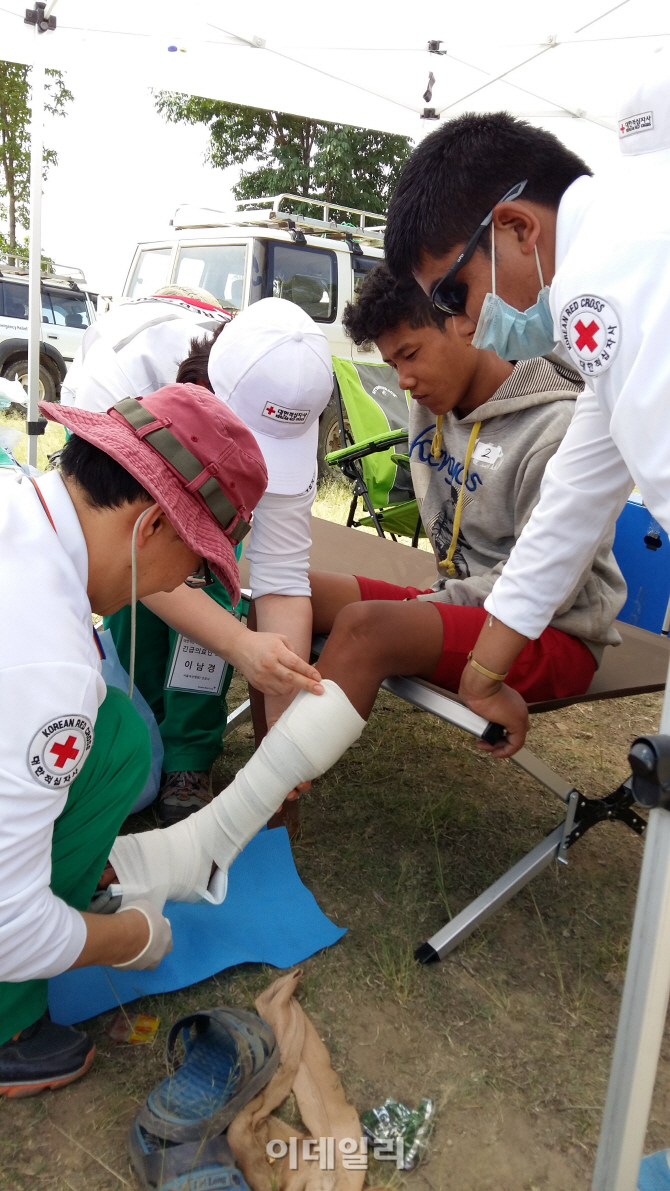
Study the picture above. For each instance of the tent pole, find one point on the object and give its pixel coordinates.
(643, 1012)
(35, 253)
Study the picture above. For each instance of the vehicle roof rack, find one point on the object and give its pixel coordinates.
(266, 212)
(66, 274)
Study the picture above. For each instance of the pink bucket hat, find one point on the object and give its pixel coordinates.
(193, 455)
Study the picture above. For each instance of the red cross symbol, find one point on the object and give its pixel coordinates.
(622, 128)
(65, 752)
(586, 335)
(270, 409)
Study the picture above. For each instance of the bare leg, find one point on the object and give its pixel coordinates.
(330, 593)
(288, 815)
(256, 698)
(372, 640)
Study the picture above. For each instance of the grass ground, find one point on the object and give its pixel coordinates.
(511, 1035)
(47, 443)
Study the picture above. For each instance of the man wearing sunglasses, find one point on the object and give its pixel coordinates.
(488, 213)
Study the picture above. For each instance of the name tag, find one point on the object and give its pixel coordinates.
(487, 454)
(194, 668)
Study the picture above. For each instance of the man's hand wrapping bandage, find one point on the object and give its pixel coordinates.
(176, 864)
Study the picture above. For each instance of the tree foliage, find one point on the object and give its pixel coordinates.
(337, 162)
(15, 148)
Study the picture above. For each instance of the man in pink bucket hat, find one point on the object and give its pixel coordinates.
(150, 496)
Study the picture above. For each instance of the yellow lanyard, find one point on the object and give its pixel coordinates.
(447, 563)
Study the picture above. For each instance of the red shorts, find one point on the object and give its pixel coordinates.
(555, 666)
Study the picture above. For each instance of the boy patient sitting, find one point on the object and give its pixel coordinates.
(481, 432)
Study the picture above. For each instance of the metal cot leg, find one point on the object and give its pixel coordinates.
(239, 716)
(491, 900)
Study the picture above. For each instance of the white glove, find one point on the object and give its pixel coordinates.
(160, 938)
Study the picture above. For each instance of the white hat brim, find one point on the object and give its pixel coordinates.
(291, 462)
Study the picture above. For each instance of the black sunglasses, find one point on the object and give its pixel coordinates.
(450, 295)
(203, 577)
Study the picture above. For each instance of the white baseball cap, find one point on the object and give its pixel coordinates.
(273, 367)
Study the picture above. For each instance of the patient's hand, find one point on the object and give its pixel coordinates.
(301, 788)
(499, 704)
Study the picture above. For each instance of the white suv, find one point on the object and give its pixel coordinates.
(263, 251)
(68, 308)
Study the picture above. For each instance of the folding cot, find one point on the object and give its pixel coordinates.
(639, 665)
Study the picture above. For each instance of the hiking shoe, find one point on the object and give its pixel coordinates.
(183, 792)
(42, 1056)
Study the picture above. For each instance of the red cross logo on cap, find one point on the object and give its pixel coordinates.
(270, 409)
(65, 752)
(586, 336)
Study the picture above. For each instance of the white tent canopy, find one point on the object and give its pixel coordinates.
(559, 63)
(549, 60)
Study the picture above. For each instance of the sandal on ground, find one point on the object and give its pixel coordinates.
(166, 1166)
(182, 793)
(230, 1056)
(654, 1172)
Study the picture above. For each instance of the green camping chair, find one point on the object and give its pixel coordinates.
(373, 416)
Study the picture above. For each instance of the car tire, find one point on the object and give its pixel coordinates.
(330, 438)
(18, 370)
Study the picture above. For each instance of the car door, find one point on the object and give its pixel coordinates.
(65, 317)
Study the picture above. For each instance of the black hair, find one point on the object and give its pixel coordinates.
(458, 174)
(193, 369)
(383, 302)
(106, 483)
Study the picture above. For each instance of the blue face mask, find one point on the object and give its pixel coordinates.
(515, 334)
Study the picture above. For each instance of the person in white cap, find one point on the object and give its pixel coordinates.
(273, 368)
(134, 349)
(604, 248)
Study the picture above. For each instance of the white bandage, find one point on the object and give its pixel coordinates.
(176, 863)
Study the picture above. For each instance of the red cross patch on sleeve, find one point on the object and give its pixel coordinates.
(591, 331)
(59, 749)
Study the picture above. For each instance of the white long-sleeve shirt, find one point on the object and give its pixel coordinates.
(50, 691)
(610, 301)
(279, 544)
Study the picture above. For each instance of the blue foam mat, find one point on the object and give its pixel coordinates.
(268, 917)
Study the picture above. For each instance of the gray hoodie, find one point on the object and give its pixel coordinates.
(523, 424)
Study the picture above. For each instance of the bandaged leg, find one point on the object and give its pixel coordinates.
(176, 863)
